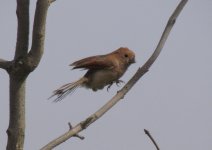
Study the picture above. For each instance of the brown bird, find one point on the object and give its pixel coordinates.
(103, 70)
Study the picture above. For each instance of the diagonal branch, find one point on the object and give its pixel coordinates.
(36, 52)
(120, 94)
(22, 43)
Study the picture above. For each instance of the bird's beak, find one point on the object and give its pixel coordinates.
(132, 61)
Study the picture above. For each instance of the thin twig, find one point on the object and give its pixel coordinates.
(151, 138)
(77, 135)
(120, 94)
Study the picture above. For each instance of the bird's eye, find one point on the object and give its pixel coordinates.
(125, 55)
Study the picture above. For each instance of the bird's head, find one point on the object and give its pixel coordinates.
(127, 55)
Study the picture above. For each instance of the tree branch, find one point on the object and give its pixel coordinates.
(22, 41)
(38, 36)
(120, 94)
(151, 138)
(4, 64)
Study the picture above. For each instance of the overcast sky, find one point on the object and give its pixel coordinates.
(173, 100)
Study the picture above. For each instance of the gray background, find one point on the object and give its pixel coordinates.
(172, 101)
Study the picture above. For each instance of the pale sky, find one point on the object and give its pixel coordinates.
(173, 100)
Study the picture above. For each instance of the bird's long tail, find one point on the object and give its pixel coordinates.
(66, 89)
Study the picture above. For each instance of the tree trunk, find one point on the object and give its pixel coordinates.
(16, 127)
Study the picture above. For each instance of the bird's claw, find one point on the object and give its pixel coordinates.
(108, 87)
(118, 82)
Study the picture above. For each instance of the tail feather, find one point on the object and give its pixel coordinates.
(66, 89)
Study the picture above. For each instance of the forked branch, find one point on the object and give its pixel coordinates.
(20, 67)
(120, 94)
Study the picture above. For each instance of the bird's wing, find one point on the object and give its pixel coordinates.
(93, 62)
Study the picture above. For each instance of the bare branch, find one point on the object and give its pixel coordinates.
(165, 34)
(4, 64)
(120, 94)
(22, 41)
(151, 138)
(38, 36)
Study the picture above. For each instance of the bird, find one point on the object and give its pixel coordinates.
(102, 70)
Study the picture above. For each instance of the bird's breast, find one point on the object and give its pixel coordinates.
(98, 79)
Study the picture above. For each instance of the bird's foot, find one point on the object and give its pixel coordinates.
(108, 87)
(118, 82)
